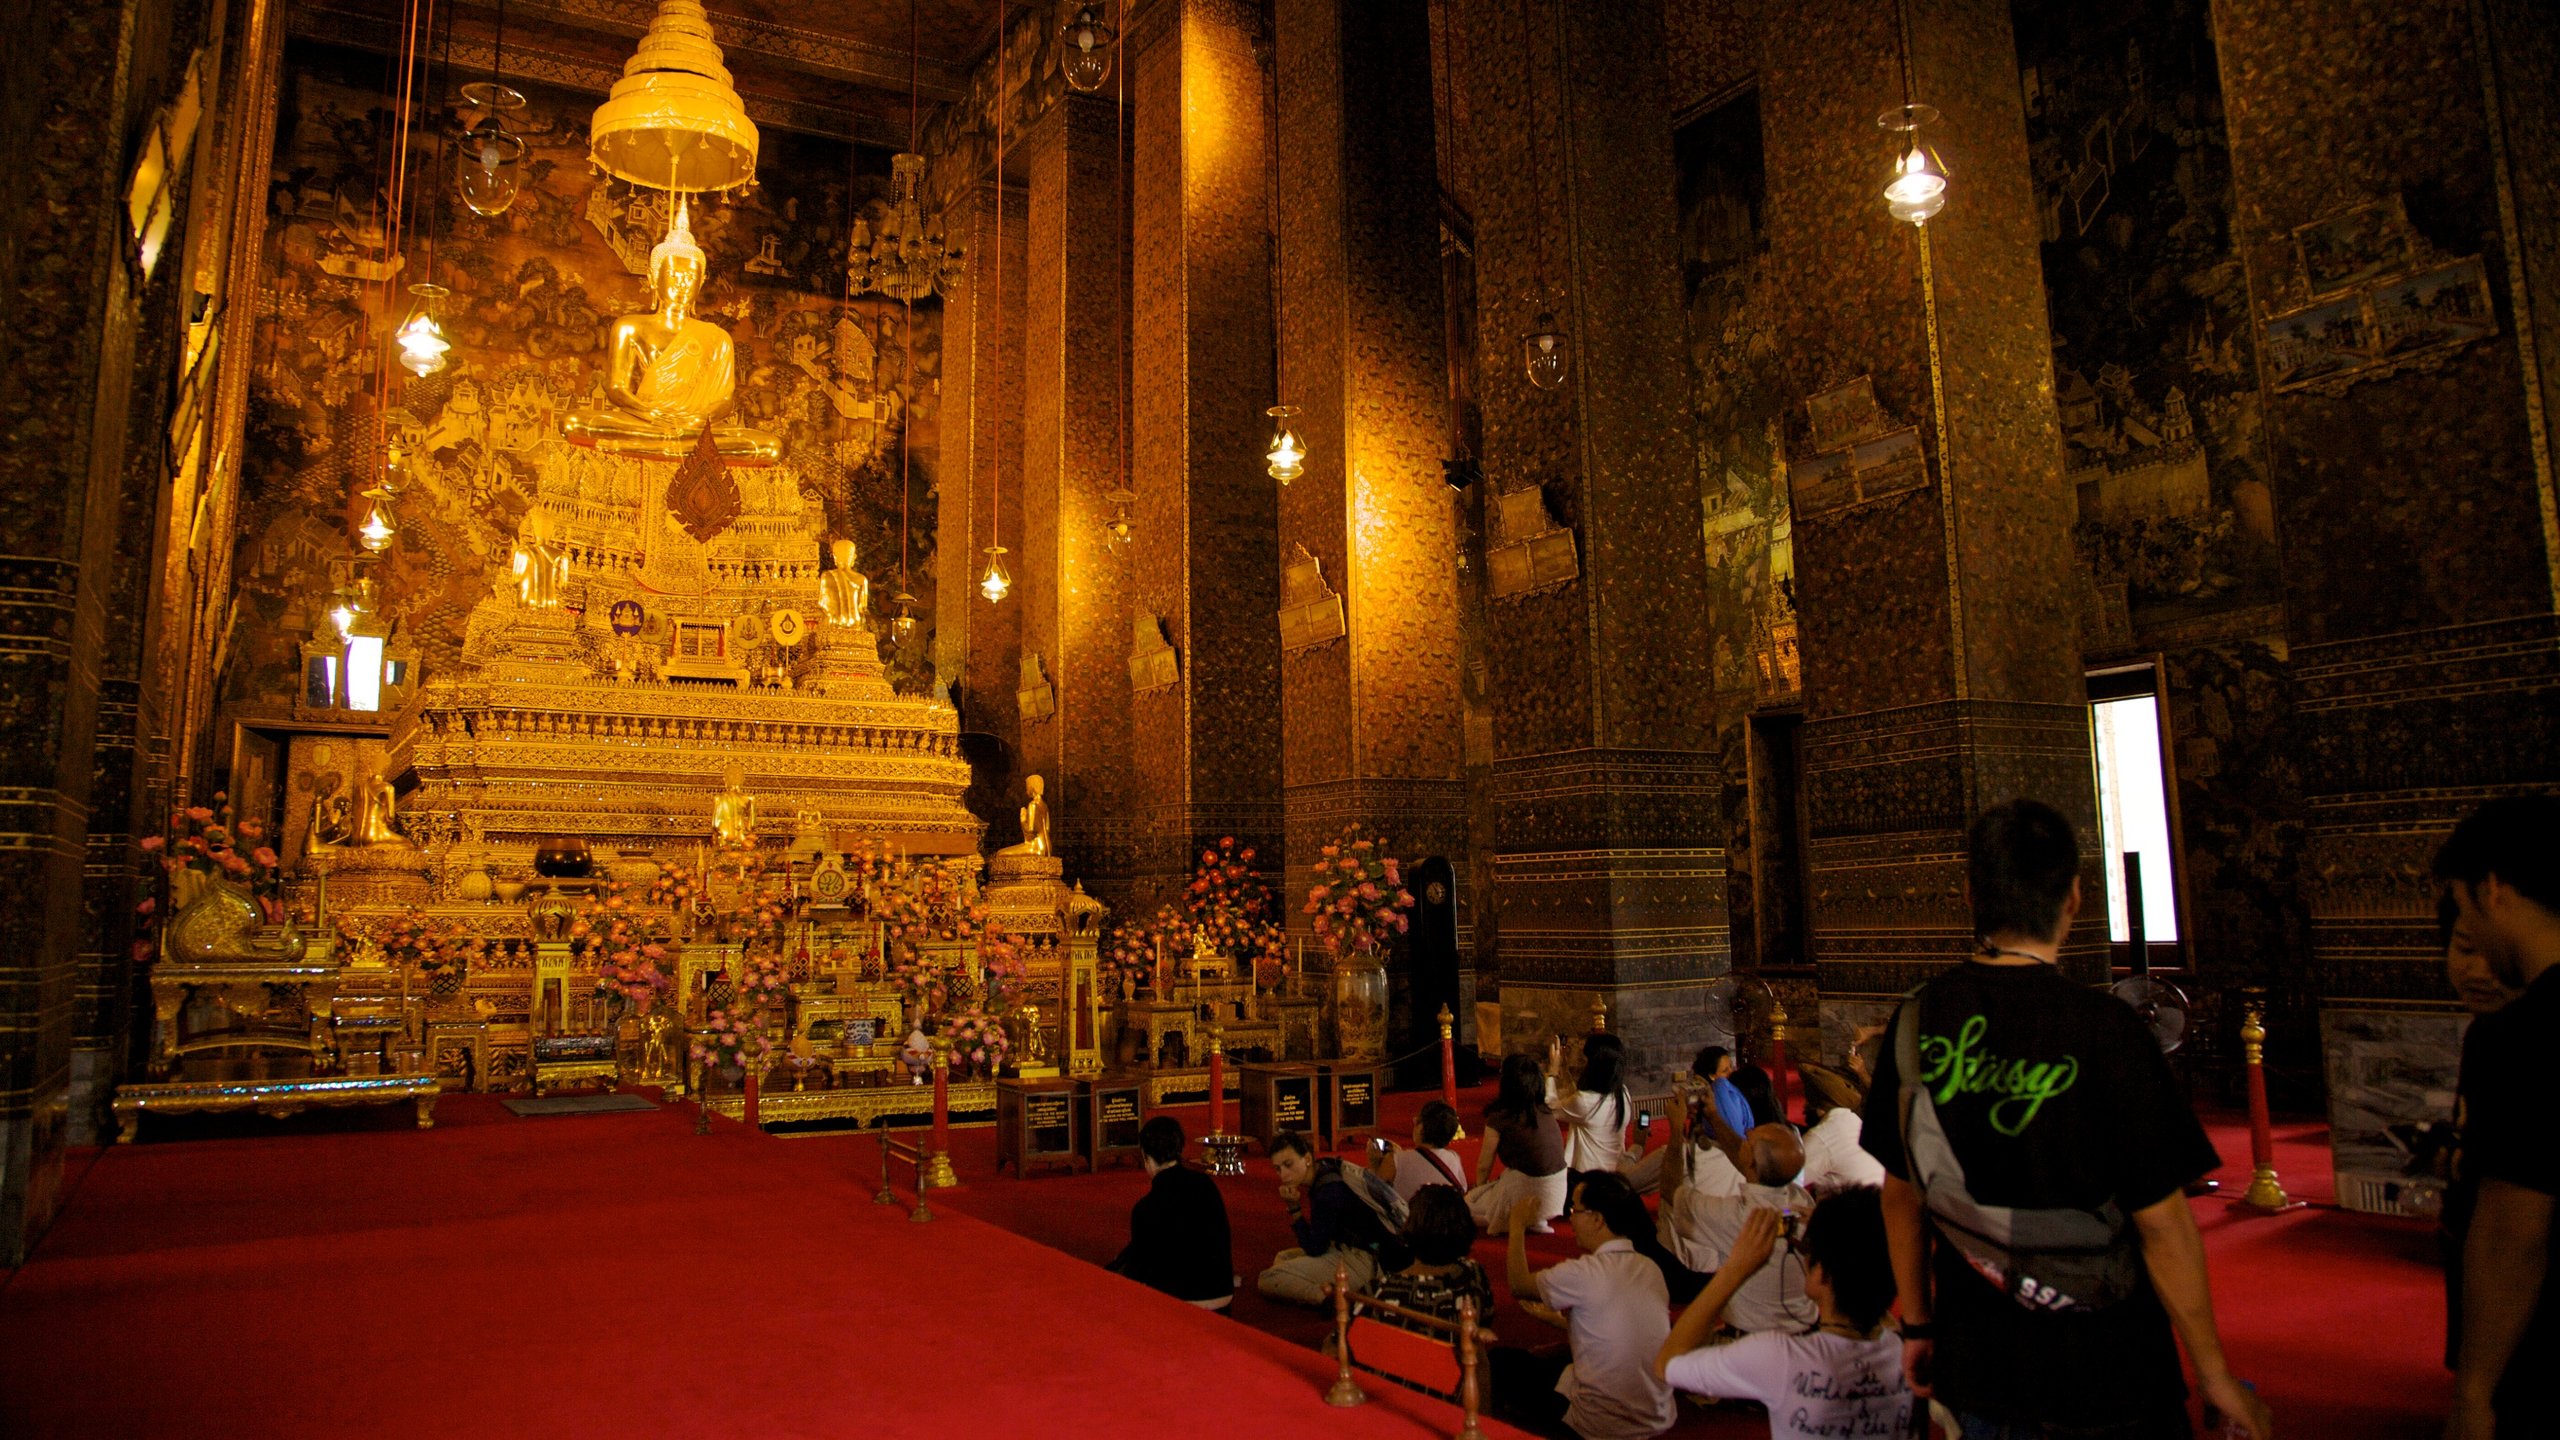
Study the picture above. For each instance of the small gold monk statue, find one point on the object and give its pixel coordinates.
(733, 812)
(380, 824)
(1035, 820)
(541, 568)
(329, 820)
(843, 593)
(661, 1047)
(670, 374)
(1035, 1038)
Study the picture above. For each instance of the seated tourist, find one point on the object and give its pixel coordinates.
(1703, 1223)
(1596, 1114)
(1431, 1161)
(1178, 1240)
(1752, 1084)
(1833, 1160)
(1340, 1213)
(1616, 1315)
(1844, 1378)
(1440, 1230)
(1522, 1133)
(1708, 1105)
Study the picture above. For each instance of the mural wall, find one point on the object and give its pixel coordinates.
(534, 292)
(2157, 377)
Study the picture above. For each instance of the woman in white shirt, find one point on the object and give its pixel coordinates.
(1595, 1115)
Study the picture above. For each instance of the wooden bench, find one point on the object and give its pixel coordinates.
(1413, 1355)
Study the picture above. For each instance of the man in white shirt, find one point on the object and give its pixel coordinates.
(1617, 1314)
(1833, 1159)
(1703, 1226)
(1843, 1379)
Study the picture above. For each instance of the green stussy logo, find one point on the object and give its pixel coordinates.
(1959, 1066)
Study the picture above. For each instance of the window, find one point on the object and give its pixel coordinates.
(364, 672)
(2133, 800)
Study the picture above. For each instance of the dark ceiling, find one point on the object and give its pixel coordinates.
(838, 67)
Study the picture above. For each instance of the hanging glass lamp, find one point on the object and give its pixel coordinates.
(1287, 456)
(377, 531)
(1121, 528)
(488, 161)
(421, 339)
(1918, 189)
(905, 624)
(995, 584)
(1545, 351)
(1085, 51)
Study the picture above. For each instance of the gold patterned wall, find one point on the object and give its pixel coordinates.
(534, 294)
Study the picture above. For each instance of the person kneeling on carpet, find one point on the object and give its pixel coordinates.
(1844, 1378)
(1617, 1315)
(1340, 1213)
(1178, 1237)
(1441, 1230)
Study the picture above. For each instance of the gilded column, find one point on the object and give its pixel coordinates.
(2414, 493)
(1069, 581)
(1371, 716)
(1610, 869)
(1205, 574)
(1939, 632)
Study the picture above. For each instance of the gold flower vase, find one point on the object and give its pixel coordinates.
(1360, 1004)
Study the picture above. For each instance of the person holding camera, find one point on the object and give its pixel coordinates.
(1703, 1221)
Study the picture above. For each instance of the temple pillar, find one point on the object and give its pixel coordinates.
(1206, 573)
(1936, 589)
(1068, 579)
(2420, 532)
(976, 644)
(1610, 869)
(67, 379)
(1372, 722)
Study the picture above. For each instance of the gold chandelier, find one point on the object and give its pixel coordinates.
(905, 260)
(674, 120)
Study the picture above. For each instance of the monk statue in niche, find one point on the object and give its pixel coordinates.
(733, 813)
(380, 822)
(329, 819)
(539, 563)
(1035, 820)
(843, 593)
(670, 375)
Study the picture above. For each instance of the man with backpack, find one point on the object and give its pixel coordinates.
(1341, 1214)
(2037, 1153)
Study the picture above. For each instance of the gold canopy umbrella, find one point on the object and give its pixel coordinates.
(674, 120)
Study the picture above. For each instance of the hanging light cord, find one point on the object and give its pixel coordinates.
(907, 420)
(1537, 178)
(995, 468)
(1119, 260)
(1937, 396)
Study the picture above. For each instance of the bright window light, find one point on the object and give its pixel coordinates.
(364, 673)
(2133, 813)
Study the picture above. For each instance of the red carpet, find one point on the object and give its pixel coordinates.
(598, 1275)
(618, 1275)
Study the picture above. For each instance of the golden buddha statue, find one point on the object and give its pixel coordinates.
(669, 375)
(541, 568)
(1035, 820)
(843, 593)
(380, 820)
(733, 812)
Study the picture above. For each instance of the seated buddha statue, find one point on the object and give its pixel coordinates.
(669, 374)
(843, 593)
(1035, 820)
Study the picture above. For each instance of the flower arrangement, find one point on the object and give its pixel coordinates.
(764, 981)
(979, 1044)
(1358, 898)
(1229, 903)
(202, 845)
(1004, 958)
(627, 936)
(925, 988)
(429, 944)
(724, 1039)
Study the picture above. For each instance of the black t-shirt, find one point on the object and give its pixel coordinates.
(2511, 1132)
(2051, 1095)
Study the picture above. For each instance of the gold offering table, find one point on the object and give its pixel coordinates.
(257, 1017)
